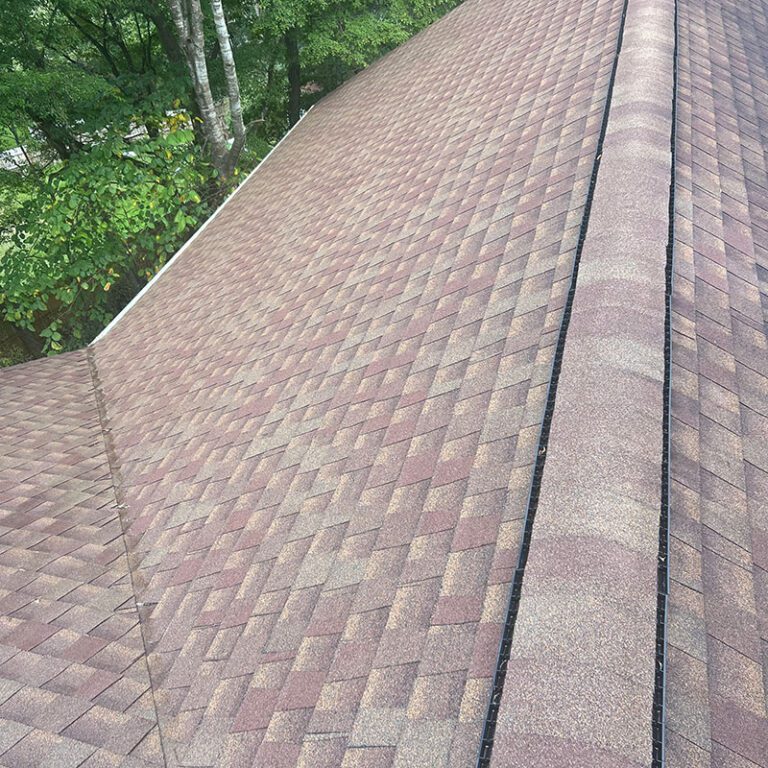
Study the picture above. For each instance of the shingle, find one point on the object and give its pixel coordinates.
(322, 506)
(721, 82)
(73, 644)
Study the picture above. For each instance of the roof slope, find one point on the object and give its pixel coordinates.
(419, 359)
(586, 629)
(74, 684)
(326, 410)
(719, 628)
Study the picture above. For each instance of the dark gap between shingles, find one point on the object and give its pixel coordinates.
(658, 756)
(505, 646)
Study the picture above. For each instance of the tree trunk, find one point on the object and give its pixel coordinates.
(57, 138)
(294, 75)
(188, 18)
(233, 86)
(31, 343)
(176, 56)
(168, 41)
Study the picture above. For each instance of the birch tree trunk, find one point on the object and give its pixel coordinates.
(188, 19)
(233, 86)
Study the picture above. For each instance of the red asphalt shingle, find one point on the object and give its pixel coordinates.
(585, 631)
(719, 600)
(74, 683)
(356, 377)
(273, 516)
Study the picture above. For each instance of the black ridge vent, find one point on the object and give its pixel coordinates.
(662, 604)
(505, 647)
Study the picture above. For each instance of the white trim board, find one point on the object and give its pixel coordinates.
(191, 240)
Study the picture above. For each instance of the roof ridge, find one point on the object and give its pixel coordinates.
(513, 607)
(609, 383)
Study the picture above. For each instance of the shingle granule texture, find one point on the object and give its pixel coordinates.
(272, 517)
(583, 652)
(74, 684)
(326, 411)
(719, 564)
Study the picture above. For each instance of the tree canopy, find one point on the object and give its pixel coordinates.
(124, 122)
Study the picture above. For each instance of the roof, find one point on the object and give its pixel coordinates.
(719, 557)
(73, 668)
(444, 443)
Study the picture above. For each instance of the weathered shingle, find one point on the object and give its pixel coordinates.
(719, 599)
(273, 516)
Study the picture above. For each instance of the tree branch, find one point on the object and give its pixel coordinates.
(100, 47)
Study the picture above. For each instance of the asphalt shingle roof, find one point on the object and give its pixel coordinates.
(74, 682)
(586, 628)
(719, 565)
(274, 516)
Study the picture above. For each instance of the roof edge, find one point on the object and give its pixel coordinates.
(124, 311)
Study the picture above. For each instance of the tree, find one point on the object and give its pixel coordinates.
(95, 230)
(322, 43)
(68, 67)
(132, 118)
(188, 17)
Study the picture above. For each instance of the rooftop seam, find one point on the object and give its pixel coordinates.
(505, 645)
(659, 722)
(116, 482)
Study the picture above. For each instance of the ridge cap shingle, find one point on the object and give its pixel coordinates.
(596, 533)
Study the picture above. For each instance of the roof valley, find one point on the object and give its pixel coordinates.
(115, 478)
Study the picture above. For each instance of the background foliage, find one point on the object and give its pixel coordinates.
(105, 168)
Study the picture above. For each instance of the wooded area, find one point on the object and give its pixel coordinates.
(123, 123)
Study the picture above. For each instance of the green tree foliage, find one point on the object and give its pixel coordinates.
(70, 67)
(309, 47)
(96, 229)
(117, 166)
